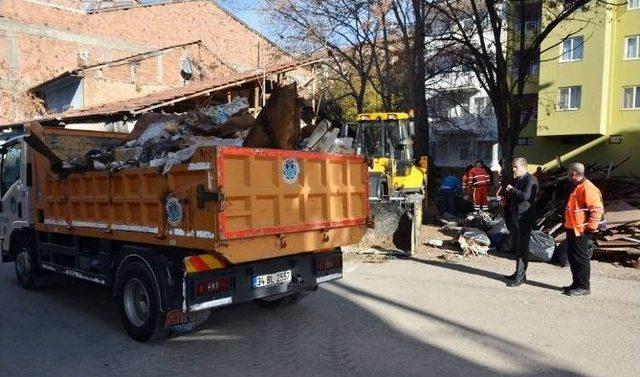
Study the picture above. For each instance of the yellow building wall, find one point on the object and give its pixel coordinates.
(588, 73)
(602, 73)
(625, 73)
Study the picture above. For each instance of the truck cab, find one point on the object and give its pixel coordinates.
(14, 181)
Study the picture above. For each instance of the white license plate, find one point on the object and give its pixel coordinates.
(277, 278)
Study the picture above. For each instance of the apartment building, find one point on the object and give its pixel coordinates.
(589, 96)
(463, 127)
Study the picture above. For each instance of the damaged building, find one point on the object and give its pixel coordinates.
(60, 55)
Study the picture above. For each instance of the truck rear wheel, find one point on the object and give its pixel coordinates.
(25, 262)
(138, 299)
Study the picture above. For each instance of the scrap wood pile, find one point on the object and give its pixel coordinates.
(620, 241)
(621, 196)
(163, 140)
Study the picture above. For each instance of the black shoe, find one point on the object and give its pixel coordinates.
(578, 292)
(568, 288)
(510, 277)
(516, 282)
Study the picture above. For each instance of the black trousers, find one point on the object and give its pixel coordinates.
(579, 253)
(520, 237)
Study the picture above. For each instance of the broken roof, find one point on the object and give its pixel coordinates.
(168, 97)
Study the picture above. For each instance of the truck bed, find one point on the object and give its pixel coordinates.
(241, 204)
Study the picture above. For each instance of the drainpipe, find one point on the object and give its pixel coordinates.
(571, 154)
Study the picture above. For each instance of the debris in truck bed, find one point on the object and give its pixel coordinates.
(164, 140)
(278, 124)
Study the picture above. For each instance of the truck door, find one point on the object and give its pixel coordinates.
(12, 210)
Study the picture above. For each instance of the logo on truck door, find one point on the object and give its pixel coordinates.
(290, 170)
(174, 211)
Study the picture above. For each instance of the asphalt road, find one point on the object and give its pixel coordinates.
(397, 318)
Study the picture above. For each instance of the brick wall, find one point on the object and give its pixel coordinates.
(38, 42)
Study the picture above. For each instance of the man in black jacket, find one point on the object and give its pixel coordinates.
(520, 216)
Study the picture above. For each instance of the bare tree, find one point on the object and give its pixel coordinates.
(411, 19)
(501, 42)
(346, 30)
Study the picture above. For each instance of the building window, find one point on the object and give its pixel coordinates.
(572, 49)
(633, 4)
(482, 106)
(484, 150)
(631, 97)
(632, 47)
(570, 98)
(535, 68)
(11, 167)
(531, 26)
(464, 153)
(524, 142)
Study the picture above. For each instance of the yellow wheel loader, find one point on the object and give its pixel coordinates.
(397, 180)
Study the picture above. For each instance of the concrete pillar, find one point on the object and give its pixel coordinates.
(495, 157)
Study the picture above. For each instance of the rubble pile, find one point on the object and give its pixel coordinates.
(164, 140)
(620, 241)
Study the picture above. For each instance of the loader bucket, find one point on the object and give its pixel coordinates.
(397, 225)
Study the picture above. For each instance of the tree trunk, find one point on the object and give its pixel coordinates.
(418, 100)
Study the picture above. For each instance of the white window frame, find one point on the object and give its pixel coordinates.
(571, 51)
(626, 46)
(532, 26)
(569, 104)
(629, 7)
(634, 98)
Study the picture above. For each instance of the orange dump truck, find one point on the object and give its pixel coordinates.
(231, 225)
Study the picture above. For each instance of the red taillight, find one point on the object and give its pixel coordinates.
(213, 286)
(329, 263)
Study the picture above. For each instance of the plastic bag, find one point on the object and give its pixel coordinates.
(481, 220)
(474, 241)
(541, 247)
(497, 233)
(219, 114)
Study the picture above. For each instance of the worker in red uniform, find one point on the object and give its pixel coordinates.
(480, 181)
(582, 218)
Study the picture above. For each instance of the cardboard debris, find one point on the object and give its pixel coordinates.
(278, 124)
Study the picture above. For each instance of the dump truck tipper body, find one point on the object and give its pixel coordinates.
(231, 225)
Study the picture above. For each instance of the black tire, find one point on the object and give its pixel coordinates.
(25, 260)
(138, 300)
(282, 301)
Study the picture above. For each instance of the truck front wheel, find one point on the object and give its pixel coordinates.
(25, 263)
(138, 299)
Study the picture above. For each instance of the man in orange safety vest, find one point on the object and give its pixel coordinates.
(582, 218)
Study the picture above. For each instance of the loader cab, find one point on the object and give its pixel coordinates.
(12, 186)
(386, 139)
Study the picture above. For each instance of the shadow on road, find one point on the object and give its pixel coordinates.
(480, 272)
(71, 329)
